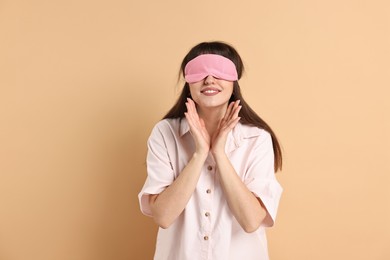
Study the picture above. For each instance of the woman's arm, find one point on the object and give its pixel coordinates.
(169, 204)
(245, 206)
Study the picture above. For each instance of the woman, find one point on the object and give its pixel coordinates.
(211, 161)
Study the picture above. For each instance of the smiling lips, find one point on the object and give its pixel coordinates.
(210, 91)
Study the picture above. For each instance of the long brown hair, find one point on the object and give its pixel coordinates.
(247, 114)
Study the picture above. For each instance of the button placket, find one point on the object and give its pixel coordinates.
(208, 189)
(206, 216)
(207, 198)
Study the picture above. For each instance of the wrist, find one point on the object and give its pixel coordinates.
(218, 153)
(202, 155)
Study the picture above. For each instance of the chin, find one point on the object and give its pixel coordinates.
(212, 104)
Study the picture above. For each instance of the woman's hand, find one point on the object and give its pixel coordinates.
(198, 128)
(227, 123)
(203, 142)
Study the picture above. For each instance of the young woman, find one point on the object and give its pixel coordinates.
(211, 166)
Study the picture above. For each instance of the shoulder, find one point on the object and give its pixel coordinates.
(252, 137)
(249, 131)
(169, 126)
(257, 140)
(167, 123)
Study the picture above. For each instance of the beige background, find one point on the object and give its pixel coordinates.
(83, 82)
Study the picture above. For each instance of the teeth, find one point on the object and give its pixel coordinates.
(210, 91)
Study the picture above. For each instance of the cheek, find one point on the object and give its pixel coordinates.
(229, 87)
(194, 89)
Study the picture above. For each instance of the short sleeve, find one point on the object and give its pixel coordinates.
(159, 169)
(260, 176)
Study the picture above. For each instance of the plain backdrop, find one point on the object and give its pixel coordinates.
(83, 82)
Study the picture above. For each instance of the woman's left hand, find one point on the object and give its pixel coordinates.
(227, 123)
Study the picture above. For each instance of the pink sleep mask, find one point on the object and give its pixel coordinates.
(210, 64)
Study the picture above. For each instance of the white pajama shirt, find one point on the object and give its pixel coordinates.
(207, 229)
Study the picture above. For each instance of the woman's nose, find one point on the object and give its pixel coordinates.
(209, 80)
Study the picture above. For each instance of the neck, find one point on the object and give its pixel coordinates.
(211, 117)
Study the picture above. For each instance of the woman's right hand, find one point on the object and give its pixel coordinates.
(197, 128)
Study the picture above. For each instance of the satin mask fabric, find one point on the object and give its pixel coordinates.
(210, 64)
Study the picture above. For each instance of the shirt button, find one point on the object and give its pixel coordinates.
(208, 191)
(209, 167)
(207, 214)
(206, 238)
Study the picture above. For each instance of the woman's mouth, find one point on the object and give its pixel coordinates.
(210, 91)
